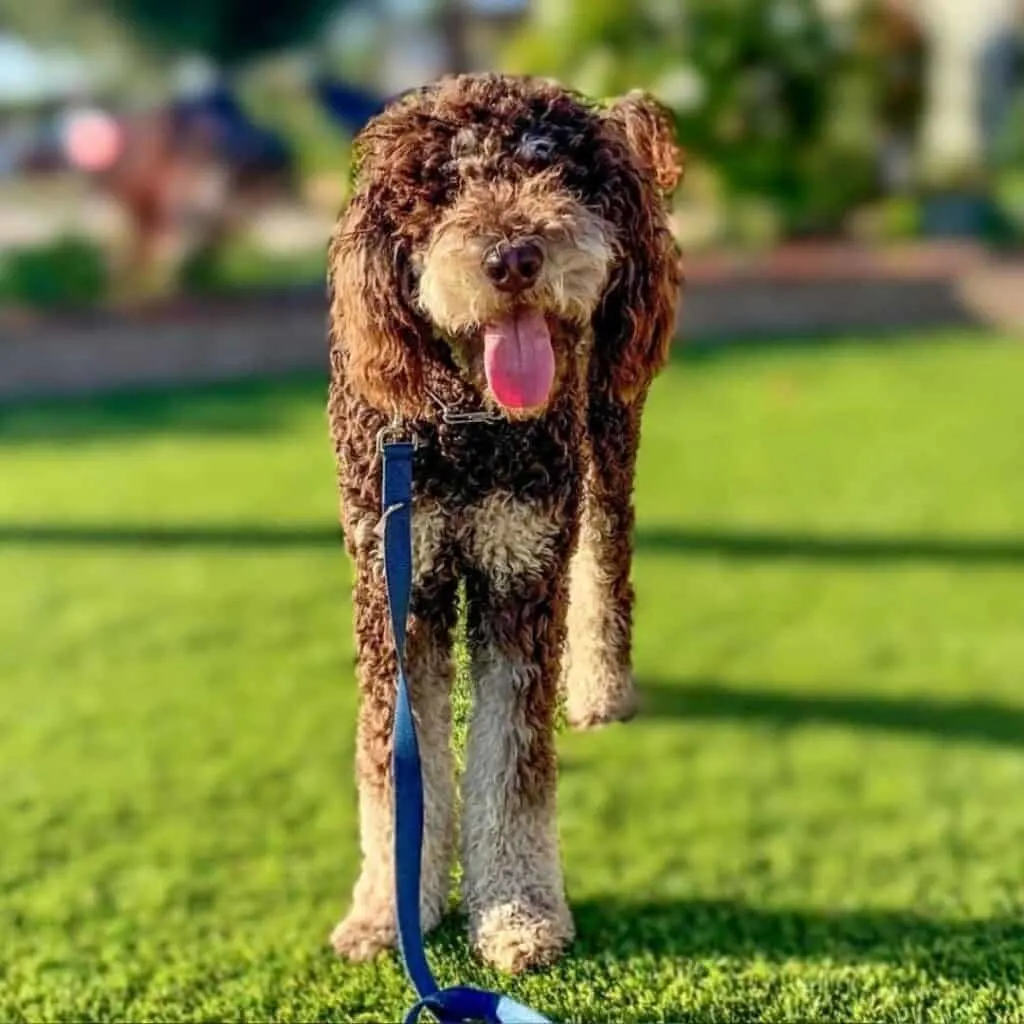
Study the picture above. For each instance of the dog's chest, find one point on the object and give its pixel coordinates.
(500, 536)
(459, 465)
(499, 502)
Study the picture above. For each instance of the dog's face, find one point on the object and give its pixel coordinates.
(505, 209)
(515, 255)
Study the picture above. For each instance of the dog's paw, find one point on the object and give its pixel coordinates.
(515, 937)
(603, 702)
(368, 930)
(364, 933)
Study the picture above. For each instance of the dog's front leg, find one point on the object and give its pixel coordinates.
(370, 925)
(513, 887)
(597, 670)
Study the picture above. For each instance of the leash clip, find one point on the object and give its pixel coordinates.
(394, 433)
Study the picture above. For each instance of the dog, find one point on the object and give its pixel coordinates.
(503, 285)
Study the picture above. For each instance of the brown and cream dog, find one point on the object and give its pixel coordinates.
(506, 251)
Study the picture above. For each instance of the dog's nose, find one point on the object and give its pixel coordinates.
(513, 268)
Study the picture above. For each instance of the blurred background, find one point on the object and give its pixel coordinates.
(151, 149)
(830, 512)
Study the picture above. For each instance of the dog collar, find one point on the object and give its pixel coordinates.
(450, 415)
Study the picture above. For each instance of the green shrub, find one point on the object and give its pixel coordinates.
(785, 104)
(240, 266)
(898, 218)
(70, 272)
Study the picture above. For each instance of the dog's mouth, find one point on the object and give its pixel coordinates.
(519, 360)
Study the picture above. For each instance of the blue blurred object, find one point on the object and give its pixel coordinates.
(348, 105)
(1000, 75)
(239, 139)
(956, 215)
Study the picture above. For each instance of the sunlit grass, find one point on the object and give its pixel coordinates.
(818, 816)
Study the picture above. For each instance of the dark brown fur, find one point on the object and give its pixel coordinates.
(505, 505)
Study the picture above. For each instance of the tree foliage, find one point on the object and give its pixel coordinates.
(229, 32)
(773, 96)
(64, 23)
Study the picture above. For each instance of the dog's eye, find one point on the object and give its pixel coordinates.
(536, 149)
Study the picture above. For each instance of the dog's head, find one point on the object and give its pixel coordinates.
(496, 216)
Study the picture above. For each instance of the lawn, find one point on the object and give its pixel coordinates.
(819, 815)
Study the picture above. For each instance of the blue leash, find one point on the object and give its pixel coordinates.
(459, 1004)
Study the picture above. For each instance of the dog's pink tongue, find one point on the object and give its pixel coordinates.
(519, 360)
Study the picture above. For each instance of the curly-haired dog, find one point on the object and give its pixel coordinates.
(506, 251)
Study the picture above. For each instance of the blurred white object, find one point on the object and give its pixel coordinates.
(682, 87)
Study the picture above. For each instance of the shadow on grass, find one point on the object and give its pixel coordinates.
(973, 721)
(783, 546)
(227, 537)
(972, 951)
(245, 408)
(657, 540)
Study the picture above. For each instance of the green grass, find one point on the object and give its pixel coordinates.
(818, 817)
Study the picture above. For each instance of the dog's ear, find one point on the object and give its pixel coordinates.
(649, 130)
(636, 320)
(372, 319)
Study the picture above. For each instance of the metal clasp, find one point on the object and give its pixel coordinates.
(452, 416)
(394, 431)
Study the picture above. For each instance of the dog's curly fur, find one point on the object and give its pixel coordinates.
(532, 511)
